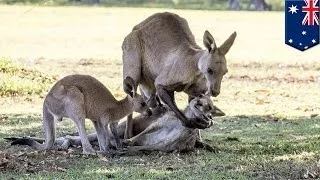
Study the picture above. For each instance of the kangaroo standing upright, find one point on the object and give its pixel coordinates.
(79, 97)
(161, 56)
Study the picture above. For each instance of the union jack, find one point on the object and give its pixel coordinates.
(312, 10)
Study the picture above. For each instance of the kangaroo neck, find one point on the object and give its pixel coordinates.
(194, 55)
(125, 106)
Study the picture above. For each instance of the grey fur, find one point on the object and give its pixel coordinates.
(161, 131)
(82, 96)
(161, 56)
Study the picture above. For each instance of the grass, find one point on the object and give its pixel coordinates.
(251, 147)
(17, 81)
(269, 95)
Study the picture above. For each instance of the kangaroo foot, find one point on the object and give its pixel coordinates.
(89, 150)
(127, 142)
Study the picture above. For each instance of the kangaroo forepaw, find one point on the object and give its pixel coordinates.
(89, 150)
(127, 142)
(89, 153)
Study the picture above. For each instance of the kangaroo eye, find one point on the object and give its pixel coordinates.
(143, 104)
(210, 71)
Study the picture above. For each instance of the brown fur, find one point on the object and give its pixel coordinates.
(161, 56)
(79, 97)
(161, 131)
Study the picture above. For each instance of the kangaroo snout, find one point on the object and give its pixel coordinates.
(215, 93)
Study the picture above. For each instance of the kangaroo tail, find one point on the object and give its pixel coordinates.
(27, 141)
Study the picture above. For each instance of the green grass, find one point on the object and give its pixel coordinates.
(251, 147)
(20, 81)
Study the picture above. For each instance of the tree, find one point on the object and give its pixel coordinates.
(259, 5)
(234, 5)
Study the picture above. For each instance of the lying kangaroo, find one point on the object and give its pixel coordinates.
(168, 134)
(79, 97)
(161, 55)
(161, 131)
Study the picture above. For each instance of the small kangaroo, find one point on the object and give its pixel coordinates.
(161, 131)
(162, 57)
(82, 96)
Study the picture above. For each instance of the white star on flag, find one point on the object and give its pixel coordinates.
(313, 41)
(290, 40)
(304, 32)
(293, 9)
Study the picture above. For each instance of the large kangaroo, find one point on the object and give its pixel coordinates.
(161, 131)
(168, 134)
(79, 97)
(161, 56)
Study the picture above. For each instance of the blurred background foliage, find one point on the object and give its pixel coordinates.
(16, 80)
(277, 5)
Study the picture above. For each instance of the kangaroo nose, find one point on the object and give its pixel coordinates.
(215, 93)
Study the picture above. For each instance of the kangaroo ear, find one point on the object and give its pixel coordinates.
(209, 42)
(225, 47)
(217, 112)
(129, 86)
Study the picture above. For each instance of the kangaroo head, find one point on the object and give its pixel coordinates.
(140, 105)
(203, 106)
(213, 64)
(138, 102)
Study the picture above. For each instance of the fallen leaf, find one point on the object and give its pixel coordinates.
(262, 91)
(104, 159)
(237, 93)
(3, 117)
(261, 101)
(61, 169)
(313, 115)
(271, 118)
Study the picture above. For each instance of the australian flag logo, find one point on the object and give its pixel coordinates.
(302, 23)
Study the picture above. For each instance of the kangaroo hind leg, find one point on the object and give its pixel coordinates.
(131, 62)
(75, 109)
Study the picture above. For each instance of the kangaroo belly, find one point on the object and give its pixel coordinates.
(169, 135)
